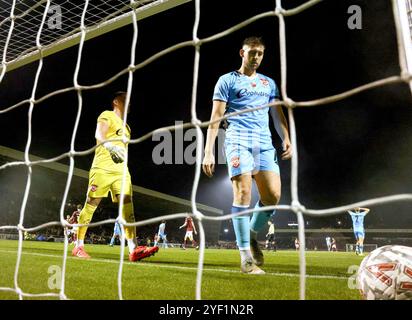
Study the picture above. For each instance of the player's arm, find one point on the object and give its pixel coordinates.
(281, 126)
(117, 153)
(208, 164)
(72, 219)
(183, 225)
(365, 210)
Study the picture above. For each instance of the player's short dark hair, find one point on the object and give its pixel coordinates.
(254, 41)
(117, 94)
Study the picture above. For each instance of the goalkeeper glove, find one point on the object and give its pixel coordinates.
(116, 152)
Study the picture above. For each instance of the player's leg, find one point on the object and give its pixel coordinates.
(192, 239)
(85, 217)
(268, 183)
(136, 253)
(128, 216)
(242, 185)
(112, 240)
(185, 240)
(165, 242)
(357, 243)
(361, 238)
(74, 236)
(240, 166)
(99, 186)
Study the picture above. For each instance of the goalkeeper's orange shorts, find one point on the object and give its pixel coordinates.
(101, 182)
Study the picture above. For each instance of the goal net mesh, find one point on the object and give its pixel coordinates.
(23, 30)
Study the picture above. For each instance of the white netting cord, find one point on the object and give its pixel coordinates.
(6, 45)
(133, 5)
(199, 152)
(294, 167)
(27, 159)
(72, 152)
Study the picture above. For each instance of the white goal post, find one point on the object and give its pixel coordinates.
(20, 53)
(404, 24)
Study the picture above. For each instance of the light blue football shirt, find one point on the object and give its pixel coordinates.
(241, 92)
(357, 219)
(162, 227)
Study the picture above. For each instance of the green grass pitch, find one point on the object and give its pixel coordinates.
(171, 274)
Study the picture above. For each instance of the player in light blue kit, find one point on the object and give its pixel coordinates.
(117, 232)
(161, 235)
(357, 219)
(248, 146)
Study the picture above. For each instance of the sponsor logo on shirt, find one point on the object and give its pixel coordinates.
(245, 92)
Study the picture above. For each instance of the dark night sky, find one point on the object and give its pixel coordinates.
(349, 151)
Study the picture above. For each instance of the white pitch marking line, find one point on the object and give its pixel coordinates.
(159, 265)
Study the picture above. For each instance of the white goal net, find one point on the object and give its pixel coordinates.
(24, 39)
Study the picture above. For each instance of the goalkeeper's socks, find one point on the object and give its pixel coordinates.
(261, 218)
(128, 215)
(131, 243)
(84, 218)
(79, 243)
(241, 227)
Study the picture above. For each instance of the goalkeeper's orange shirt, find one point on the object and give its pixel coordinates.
(102, 159)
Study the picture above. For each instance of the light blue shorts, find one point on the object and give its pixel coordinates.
(241, 159)
(359, 234)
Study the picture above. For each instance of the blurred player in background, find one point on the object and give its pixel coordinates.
(161, 235)
(333, 246)
(117, 233)
(73, 219)
(270, 237)
(297, 244)
(248, 147)
(190, 228)
(106, 175)
(357, 220)
(328, 243)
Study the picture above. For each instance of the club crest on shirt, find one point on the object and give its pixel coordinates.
(264, 81)
(235, 162)
(93, 188)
